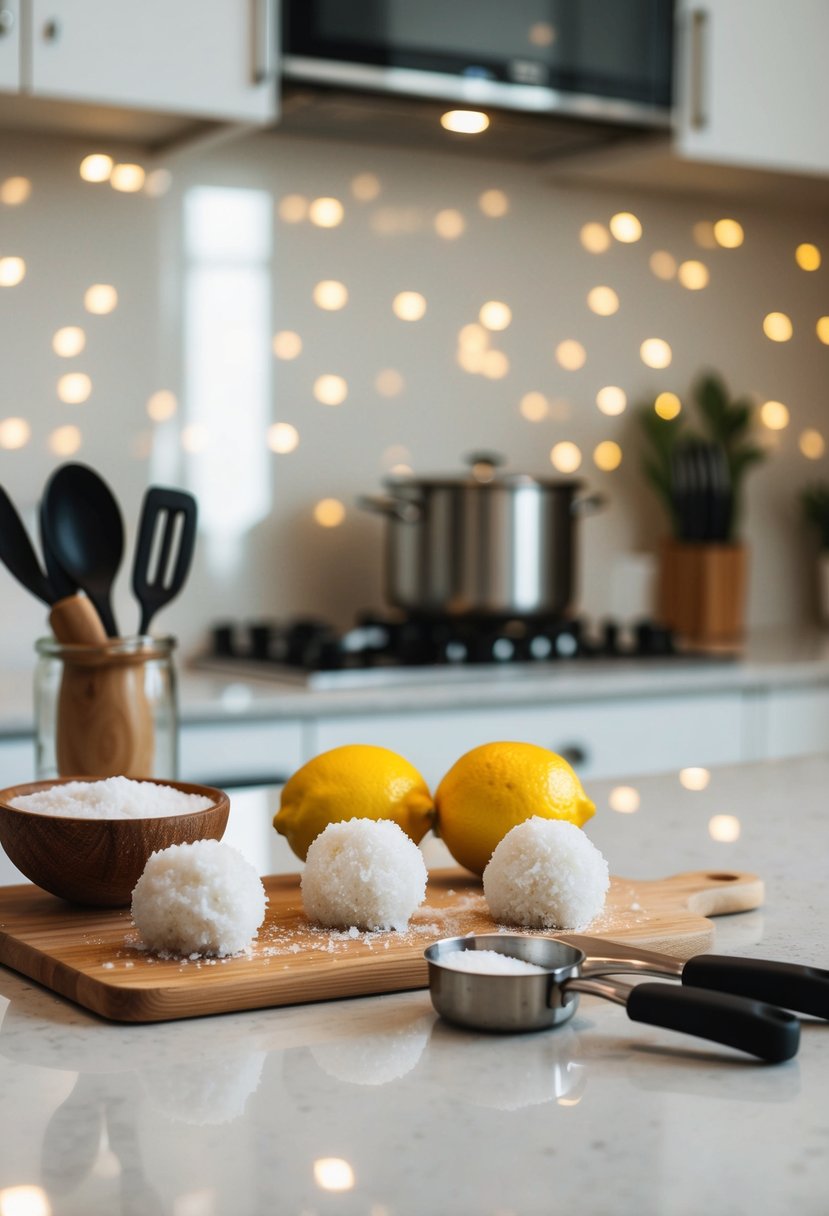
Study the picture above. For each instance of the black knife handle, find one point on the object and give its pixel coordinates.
(804, 989)
(762, 1030)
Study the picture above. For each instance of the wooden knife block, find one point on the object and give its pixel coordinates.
(702, 591)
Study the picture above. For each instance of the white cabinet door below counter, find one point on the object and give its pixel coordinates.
(605, 739)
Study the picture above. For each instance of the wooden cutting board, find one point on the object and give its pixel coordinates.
(92, 956)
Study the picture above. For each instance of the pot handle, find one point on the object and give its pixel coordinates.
(393, 508)
(588, 504)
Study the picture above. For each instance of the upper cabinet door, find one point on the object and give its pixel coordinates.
(212, 59)
(9, 46)
(752, 83)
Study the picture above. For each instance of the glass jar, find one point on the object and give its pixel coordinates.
(106, 711)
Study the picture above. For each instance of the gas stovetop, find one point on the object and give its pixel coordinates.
(385, 650)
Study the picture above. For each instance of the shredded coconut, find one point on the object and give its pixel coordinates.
(487, 962)
(112, 798)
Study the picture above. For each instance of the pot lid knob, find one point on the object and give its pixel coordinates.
(484, 465)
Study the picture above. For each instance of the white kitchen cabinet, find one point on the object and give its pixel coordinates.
(17, 761)
(240, 753)
(207, 58)
(797, 722)
(605, 739)
(752, 87)
(9, 46)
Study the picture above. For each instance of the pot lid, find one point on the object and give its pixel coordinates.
(485, 469)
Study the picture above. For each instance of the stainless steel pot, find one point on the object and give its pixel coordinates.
(490, 543)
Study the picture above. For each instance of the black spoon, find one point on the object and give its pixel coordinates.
(82, 525)
(164, 549)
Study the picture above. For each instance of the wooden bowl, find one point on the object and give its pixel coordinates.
(98, 861)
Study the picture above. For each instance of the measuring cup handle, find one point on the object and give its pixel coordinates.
(752, 1026)
(804, 989)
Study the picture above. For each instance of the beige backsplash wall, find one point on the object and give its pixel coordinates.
(281, 562)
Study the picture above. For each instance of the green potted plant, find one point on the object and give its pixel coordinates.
(697, 462)
(814, 500)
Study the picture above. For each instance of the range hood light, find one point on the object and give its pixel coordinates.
(464, 122)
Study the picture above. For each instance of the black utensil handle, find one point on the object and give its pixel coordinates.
(752, 1026)
(804, 989)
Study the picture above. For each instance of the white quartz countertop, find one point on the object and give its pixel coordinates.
(264, 1112)
(771, 659)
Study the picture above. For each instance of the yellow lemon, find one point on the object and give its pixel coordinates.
(494, 787)
(356, 781)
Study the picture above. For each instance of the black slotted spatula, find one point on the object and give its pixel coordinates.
(164, 550)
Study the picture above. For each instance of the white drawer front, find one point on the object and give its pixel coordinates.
(798, 722)
(240, 752)
(605, 739)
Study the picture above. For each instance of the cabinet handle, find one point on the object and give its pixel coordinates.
(264, 41)
(699, 31)
(574, 753)
(51, 30)
(6, 21)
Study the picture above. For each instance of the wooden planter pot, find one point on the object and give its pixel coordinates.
(702, 591)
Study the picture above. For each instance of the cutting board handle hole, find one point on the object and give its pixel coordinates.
(722, 877)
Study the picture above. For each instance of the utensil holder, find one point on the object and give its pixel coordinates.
(105, 711)
(702, 589)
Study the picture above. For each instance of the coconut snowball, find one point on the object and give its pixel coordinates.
(202, 898)
(365, 873)
(546, 874)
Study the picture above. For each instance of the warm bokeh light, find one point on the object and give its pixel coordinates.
(724, 828)
(74, 388)
(729, 234)
(96, 168)
(625, 227)
(694, 778)
(473, 337)
(293, 208)
(162, 405)
(594, 237)
(330, 389)
(603, 301)
(389, 382)
(471, 358)
(24, 1201)
(611, 400)
(777, 326)
(127, 178)
(331, 295)
(624, 799)
(15, 433)
(100, 298)
(283, 438)
(494, 364)
(812, 444)
(541, 33)
(703, 233)
(662, 264)
(668, 406)
(12, 271)
(693, 275)
(287, 344)
(656, 353)
(397, 454)
(15, 190)
(326, 212)
(534, 406)
(822, 329)
(329, 512)
(158, 182)
(195, 438)
(333, 1174)
(807, 257)
(464, 122)
(607, 456)
(571, 355)
(69, 341)
(408, 305)
(365, 187)
(65, 440)
(494, 203)
(495, 315)
(774, 415)
(449, 224)
(565, 456)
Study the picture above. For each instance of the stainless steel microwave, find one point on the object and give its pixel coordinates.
(607, 60)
